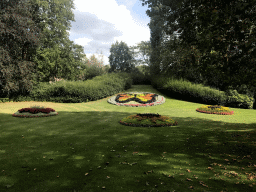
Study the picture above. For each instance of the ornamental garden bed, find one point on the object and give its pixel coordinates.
(215, 109)
(35, 111)
(148, 120)
(137, 99)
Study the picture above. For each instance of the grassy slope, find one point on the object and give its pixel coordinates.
(56, 153)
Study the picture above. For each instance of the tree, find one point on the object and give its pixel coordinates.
(57, 55)
(208, 26)
(141, 53)
(158, 13)
(94, 67)
(120, 58)
(221, 26)
(18, 34)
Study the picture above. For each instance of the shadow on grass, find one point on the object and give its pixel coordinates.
(91, 151)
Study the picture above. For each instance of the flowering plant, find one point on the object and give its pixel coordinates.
(220, 110)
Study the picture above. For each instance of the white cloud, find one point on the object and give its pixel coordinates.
(100, 23)
(83, 41)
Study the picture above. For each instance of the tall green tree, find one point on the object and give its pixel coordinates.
(57, 56)
(222, 25)
(120, 58)
(18, 35)
(209, 26)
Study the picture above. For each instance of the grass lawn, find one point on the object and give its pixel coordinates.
(85, 148)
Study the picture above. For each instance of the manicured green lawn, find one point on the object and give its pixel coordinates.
(84, 148)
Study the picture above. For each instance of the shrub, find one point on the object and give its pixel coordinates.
(234, 99)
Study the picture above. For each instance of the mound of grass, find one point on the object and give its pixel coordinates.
(144, 120)
(215, 109)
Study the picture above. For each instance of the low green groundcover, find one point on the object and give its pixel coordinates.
(35, 111)
(215, 109)
(148, 120)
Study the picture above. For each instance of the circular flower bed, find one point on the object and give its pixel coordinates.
(135, 99)
(35, 111)
(148, 120)
(215, 109)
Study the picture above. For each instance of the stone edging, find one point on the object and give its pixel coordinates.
(160, 100)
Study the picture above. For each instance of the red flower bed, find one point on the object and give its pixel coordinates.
(35, 110)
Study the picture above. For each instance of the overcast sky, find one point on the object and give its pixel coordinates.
(100, 23)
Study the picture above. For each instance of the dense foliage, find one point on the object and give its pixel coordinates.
(216, 45)
(35, 46)
(16, 47)
(120, 58)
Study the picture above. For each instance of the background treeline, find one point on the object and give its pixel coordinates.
(208, 42)
(35, 46)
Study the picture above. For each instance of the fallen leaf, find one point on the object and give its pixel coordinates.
(189, 171)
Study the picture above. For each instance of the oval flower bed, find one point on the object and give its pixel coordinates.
(35, 111)
(148, 120)
(215, 109)
(137, 99)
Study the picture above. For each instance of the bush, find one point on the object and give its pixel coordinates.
(4, 100)
(234, 99)
(183, 89)
(79, 91)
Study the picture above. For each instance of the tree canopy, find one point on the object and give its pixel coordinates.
(211, 35)
(35, 46)
(120, 58)
(19, 35)
(57, 56)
